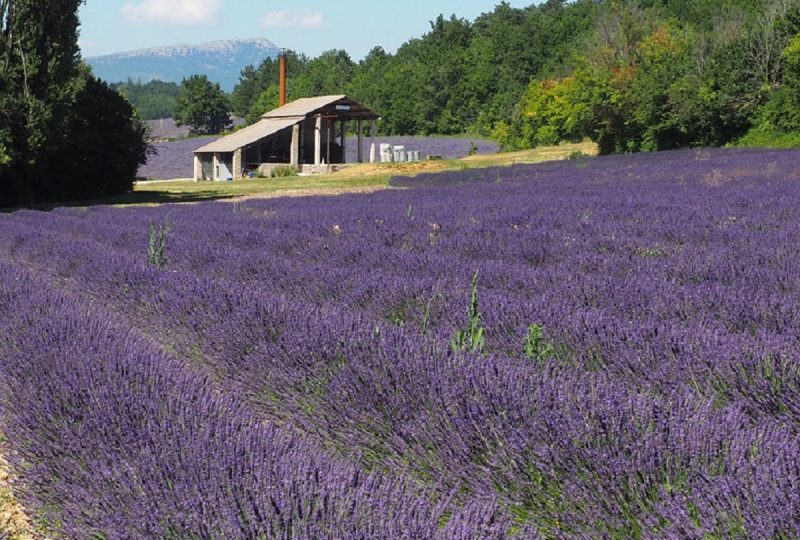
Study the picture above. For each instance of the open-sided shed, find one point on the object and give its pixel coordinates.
(308, 133)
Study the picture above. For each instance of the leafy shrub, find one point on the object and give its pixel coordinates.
(284, 171)
(536, 348)
(103, 148)
(770, 138)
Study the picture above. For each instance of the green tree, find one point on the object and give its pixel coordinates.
(778, 121)
(328, 74)
(38, 69)
(367, 85)
(102, 150)
(202, 105)
(253, 82)
(267, 101)
(553, 110)
(246, 91)
(405, 105)
(648, 80)
(152, 100)
(512, 46)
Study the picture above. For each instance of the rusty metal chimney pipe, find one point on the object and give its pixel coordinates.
(282, 83)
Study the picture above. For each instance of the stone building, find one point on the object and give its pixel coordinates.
(308, 134)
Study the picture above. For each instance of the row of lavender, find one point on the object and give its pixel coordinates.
(114, 437)
(631, 369)
(173, 159)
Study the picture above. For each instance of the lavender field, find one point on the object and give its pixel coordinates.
(445, 147)
(173, 159)
(596, 348)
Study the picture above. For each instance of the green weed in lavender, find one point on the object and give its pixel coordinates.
(157, 244)
(470, 339)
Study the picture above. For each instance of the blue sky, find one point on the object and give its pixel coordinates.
(309, 26)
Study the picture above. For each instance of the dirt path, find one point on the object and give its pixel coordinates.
(14, 523)
(311, 191)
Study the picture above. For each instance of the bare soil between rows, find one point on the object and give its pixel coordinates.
(14, 522)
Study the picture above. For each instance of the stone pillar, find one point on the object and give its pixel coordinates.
(237, 164)
(198, 168)
(360, 142)
(294, 152)
(372, 129)
(215, 167)
(318, 142)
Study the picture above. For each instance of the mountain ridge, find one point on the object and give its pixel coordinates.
(221, 61)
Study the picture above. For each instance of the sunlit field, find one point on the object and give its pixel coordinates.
(588, 348)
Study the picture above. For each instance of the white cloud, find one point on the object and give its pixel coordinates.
(183, 12)
(87, 45)
(293, 18)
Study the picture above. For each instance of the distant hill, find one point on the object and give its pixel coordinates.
(221, 61)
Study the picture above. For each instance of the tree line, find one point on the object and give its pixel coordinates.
(153, 99)
(64, 134)
(460, 76)
(632, 75)
(670, 74)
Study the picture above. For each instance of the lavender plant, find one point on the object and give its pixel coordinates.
(247, 393)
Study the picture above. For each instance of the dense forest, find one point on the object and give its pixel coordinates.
(630, 74)
(152, 100)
